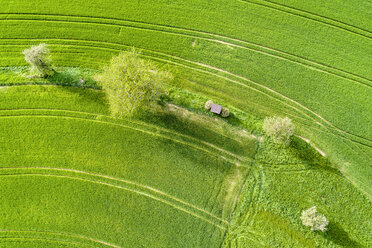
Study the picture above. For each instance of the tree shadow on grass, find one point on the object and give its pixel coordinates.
(96, 97)
(72, 78)
(176, 122)
(201, 127)
(337, 235)
(308, 154)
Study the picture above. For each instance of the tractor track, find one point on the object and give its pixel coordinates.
(84, 176)
(192, 33)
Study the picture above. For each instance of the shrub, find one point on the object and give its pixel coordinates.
(131, 83)
(208, 104)
(313, 219)
(225, 112)
(39, 59)
(279, 129)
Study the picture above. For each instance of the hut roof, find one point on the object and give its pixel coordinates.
(216, 109)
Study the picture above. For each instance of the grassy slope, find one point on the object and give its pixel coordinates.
(80, 149)
(317, 63)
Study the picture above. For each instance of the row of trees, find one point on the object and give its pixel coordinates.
(133, 84)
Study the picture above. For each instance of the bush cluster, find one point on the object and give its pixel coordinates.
(208, 105)
(225, 112)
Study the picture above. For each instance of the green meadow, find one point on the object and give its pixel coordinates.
(178, 176)
(63, 155)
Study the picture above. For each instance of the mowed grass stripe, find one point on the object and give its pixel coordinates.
(122, 188)
(233, 160)
(212, 37)
(60, 234)
(42, 170)
(311, 16)
(252, 198)
(284, 99)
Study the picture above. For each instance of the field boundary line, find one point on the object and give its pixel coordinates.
(314, 17)
(212, 37)
(213, 154)
(231, 80)
(122, 181)
(122, 188)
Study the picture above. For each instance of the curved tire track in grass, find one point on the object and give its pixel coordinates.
(198, 211)
(95, 115)
(212, 37)
(328, 124)
(59, 234)
(235, 158)
(256, 194)
(343, 138)
(311, 16)
(128, 182)
(31, 239)
(245, 221)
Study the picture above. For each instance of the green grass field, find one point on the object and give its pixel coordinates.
(106, 178)
(72, 176)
